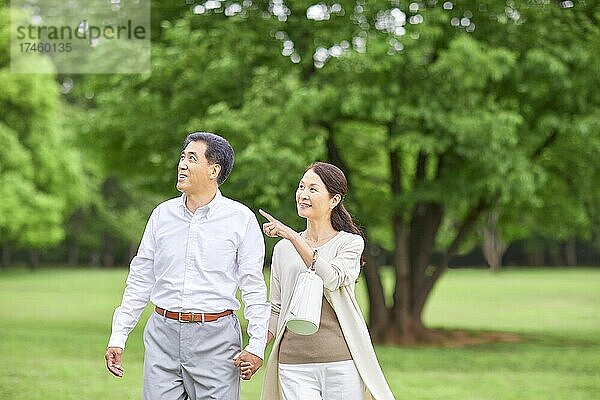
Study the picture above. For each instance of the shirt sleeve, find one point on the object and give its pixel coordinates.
(344, 268)
(275, 293)
(140, 282)
(251, 255)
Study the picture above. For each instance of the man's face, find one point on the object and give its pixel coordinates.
(195, 174)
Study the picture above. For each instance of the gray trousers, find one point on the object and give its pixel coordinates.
(191, 360)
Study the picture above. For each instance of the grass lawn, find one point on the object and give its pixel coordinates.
(54, 325)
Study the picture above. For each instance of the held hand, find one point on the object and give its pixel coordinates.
(248, 364)
(276, 228)
(113, 361)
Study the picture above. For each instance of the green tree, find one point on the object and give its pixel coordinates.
(470, 122)
(438, 114)
(41, 177)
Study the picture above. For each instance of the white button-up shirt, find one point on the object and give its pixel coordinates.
(195, 262)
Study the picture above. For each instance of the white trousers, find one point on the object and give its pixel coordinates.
(321, 381)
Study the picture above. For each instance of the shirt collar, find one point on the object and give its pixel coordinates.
(210, 207)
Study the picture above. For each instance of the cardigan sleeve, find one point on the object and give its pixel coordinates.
(344, 268)
(275, 292)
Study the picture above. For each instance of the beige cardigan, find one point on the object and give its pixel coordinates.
(338, 265)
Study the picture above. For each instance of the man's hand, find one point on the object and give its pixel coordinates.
(113, 361)
(248, 364)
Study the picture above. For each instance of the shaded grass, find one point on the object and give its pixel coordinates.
(54, 325)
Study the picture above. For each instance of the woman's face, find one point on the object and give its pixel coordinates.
(313, 201)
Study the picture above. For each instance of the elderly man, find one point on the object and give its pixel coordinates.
(196, 251)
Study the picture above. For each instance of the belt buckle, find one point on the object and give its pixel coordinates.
(181, 320)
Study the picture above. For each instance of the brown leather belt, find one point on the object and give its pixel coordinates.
(192, 317)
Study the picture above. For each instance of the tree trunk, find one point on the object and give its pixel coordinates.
(402, 292)
(6, 255)
(537, 257)
(378, 311)
(108, 257)
(95, 257)
(131, 253)
(74, 253)
(555, 256)
(408, 331)
(493, 247)
(75, 228)
(413, 245)
(404, 319)
(571, 252)
(424, 227)
(414, 240)
(34, 259)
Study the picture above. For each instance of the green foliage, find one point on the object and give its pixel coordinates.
(506, 112)
(474, 107)
(41, 178)
(265, 174)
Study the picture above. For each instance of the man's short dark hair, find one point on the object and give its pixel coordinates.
(218, 151)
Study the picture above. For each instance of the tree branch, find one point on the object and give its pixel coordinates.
(441, 163)
(465, 227)
(468, 223)
(424, 226)
(333, 154)
(395, 160)
(545, 144)
(421, 166)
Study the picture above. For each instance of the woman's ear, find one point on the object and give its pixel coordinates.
(335, 201)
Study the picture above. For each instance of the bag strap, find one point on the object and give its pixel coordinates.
(314, 261)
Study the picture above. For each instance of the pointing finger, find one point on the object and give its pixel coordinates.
(266, 215)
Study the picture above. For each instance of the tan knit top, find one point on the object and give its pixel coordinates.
(325, 345)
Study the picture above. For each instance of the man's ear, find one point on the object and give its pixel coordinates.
(216, 169)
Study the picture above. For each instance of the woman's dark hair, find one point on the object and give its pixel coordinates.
(218, 151)
(336, 183)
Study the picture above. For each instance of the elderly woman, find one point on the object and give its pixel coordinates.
(338, 361)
